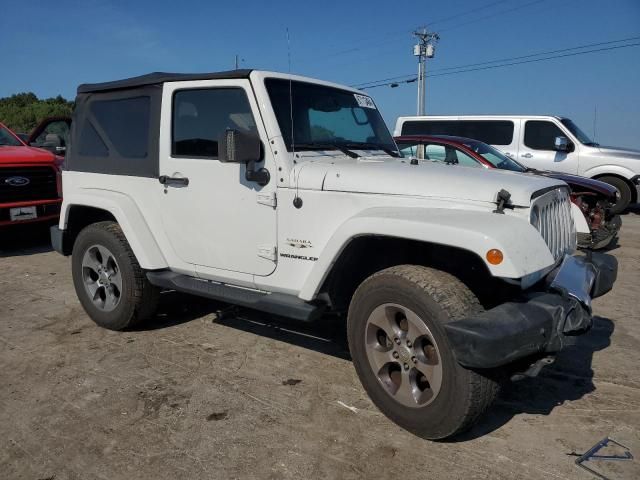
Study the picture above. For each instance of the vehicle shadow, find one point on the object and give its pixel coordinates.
(569, 378)
(19, 240)
(327, 335)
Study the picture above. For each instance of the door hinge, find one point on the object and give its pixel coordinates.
(267, 251)
(267, 199)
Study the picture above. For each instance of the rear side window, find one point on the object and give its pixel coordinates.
(125, 123)
(116, 132)
(493, 132)
(200, 118)
(541, 135)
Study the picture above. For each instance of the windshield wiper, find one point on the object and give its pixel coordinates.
(377, 146)
(592, 144)
(328, 146)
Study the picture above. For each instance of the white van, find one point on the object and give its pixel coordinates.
(541, 142)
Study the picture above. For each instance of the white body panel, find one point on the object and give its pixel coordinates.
(585, 160)
(216, 227)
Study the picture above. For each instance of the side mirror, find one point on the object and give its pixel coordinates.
(236, 146)
(561, 144)
(54, 144)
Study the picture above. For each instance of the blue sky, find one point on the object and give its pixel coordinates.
(50, 47)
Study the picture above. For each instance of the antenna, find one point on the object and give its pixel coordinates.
(595, 119)
(297, 201)
(293, 146)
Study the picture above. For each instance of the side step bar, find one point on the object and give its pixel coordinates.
(275, 303)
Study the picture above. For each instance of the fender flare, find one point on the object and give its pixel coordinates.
(128, 215)
(524, 249)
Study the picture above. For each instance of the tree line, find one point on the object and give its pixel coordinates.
(23, 111)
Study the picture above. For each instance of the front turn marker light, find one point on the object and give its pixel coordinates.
(494, 256)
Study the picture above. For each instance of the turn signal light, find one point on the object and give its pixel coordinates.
(494, 256)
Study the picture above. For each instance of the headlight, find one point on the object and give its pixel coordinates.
(534, 218)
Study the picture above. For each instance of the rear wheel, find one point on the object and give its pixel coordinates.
(108, 280)
(402, 355)
(624, 189)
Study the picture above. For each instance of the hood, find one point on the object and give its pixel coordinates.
(619, 152)
(395, 176)
(581, 184)
(24, 154)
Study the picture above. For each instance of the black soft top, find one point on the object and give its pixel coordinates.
(159, 77)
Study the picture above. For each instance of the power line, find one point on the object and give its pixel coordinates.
(509, 59)
(411, 80)
(491, 15)
(367, 45)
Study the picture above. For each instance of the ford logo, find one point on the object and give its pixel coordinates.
(17, 181)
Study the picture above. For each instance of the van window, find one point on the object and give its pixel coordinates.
(541, 135)
(200, 118)
(493, 132)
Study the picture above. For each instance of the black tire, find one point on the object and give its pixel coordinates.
(138, 299)
(436, 298)
(625, 192)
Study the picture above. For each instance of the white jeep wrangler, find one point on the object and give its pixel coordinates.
(288, 195)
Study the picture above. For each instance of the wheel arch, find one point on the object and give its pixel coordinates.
(632, 187)
(84, 210)
(418, 235)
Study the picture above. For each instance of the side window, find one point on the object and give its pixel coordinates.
(408, 149)
(57, 127)
(540, 134)
(125, 123)
(493, 132)
(465, 160)
(200, 118)
(436, 153)
(430, 127)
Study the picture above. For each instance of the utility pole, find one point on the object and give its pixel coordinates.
(426, 48)
(236, 62)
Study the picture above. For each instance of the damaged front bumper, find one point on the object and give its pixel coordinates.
(542, 322)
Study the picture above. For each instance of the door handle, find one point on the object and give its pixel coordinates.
(508, 154)
(166, 180)
(526, 155)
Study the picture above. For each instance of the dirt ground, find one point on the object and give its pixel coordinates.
(190, 396)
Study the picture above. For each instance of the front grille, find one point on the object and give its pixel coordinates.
(41, 186)
(551, 215)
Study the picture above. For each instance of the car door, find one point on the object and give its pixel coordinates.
(213, 217)
(60, 126)
(537, 147)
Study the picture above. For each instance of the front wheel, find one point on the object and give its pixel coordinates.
(108, 280)
(402, 355)
(625, 192)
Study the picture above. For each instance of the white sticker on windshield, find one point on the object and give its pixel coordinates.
(364, 101)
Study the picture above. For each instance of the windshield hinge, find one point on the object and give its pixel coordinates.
(268, 198)
(267, 251)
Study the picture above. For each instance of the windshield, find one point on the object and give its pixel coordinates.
(7, 139)
(579, 134)
(326, 117)
(495, 157)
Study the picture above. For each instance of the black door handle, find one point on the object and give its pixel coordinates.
(166, 180)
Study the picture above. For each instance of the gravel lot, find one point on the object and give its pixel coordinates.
(193, 396)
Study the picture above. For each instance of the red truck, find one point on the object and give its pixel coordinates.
(30, 180)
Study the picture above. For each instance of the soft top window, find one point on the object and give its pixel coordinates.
(116, 132)
(125, 122)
